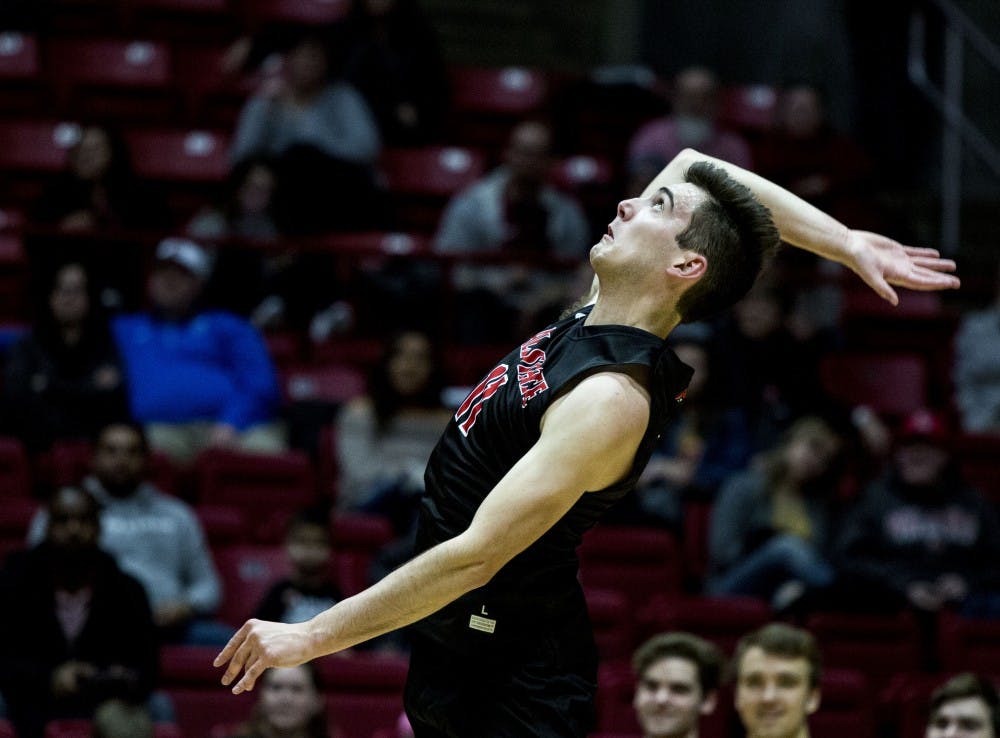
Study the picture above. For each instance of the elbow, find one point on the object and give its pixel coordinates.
(688, 156)
(479, 563)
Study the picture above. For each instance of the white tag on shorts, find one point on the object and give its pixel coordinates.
(486, 625)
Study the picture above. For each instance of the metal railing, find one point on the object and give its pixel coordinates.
(960, 33)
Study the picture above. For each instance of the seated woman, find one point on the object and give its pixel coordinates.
(770, 525)
(290, 705)
(64, 379)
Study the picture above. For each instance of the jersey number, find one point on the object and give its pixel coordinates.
(473, 404)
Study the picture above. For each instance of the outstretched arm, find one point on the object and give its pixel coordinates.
(588, 441)
(879, 261)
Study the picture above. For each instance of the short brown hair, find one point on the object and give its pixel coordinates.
(704, 655)
(966, 685)
(778, 639)
(734, 231)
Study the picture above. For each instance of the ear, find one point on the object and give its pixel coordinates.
(709, 702)
(812, 703)
(690, 265)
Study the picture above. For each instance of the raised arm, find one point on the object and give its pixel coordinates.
(588, 441)
(879, 261)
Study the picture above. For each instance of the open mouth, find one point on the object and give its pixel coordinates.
(610, 234)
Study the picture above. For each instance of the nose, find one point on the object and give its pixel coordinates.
(770, 691)
(626, 209)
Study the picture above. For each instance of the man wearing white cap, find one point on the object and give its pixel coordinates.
(196, 377)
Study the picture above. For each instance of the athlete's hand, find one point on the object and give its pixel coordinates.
(882, 262)
(259, 645)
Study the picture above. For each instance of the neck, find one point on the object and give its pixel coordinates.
(802, 732)
(635, 312)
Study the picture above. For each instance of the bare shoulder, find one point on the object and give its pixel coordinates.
(614, 400)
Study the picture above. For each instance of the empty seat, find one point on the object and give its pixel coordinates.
(364, 672)
(36, 145)
(488, 102)
(247, 572)
(264, 486)
(16, 514)
(191, 156)
(70, 728)
(223, 524)
(721, 620)
(969, 645)
(310, 12)
(611, 619)
(15, 474)
(977, 456)
(331, 383)
(846, 708)
(211, 95)
(749, 108)
(18, 57)
(188, 666)
(894, 384)
(200, 709)
(640, 563)
(357, 539)
(360, 715)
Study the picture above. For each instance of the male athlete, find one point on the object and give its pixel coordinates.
(552, 437)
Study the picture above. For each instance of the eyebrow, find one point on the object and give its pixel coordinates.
(666, 191)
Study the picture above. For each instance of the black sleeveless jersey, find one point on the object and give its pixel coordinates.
(492, 429)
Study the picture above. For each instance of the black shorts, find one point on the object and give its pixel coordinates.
(546, 692)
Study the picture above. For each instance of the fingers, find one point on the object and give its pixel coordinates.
(883, 290)
(940, 265)
(250, 678)
(230, 649)
(242, 656)
(921, 251)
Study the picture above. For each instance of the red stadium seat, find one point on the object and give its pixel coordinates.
(356, 540)
(13, 274)
(16, 514)
(363, 672)
(36, 145)
(224, 525)
(199, 709)
(15, 473)
(310, 12)
(749, 108)
(721, 620)
(184, 20)
(211, 95)
(877, 645)
(612, 623)
(180, 156)
(360, 715)
(263, 486)
(247, 572)
(977, 456)
(893, 384)
(188, 666)
(488, 102)
(116, 79)
(7, 730)
(332, 383)
(639, 563)
(694, 542)
(19, 59)
(969, 645)
(70, 728)
(846, 707)
(68, 462)
(421, 181)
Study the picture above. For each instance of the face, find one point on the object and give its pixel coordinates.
(256, 191)
(527, 153)
(920, 463)
(173, 289)
(73, 522)
(802, 112)
(410, 365)
(92, 157)
(773, 696)
(962, 718)
(119, 458)
(641, 243)
(668, 699)
(309, 549)
(696, 93)
(809, 455)
(288, 699)
(307, 66)
(758, 315)
(69, 301)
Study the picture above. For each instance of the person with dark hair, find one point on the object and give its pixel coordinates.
(558, 431)
(965, 706)
(322, 138)
(247, 211)
(771, 526)
(98, 188)
(393, 60)
(291, 704)
(64, 380)
(75, 630)
(309, 589)
(678, 678)
(777, 670)
(153, 536)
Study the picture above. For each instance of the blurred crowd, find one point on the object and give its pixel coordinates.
(783, 480)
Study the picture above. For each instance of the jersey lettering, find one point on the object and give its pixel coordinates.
(473, 404)
(530, 380)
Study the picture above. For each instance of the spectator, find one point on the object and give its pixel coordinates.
(706, 445)
(693, 123)
(247, 211)
(290, 704)
(154, 537)
(770, 526)
(920, 536)
(75, 630)
(807, 156)
(197, 378)
(64, 379)
(394, 61)
(678, 681)
(967, 705)
(511, 209)
(777, 670)
(385, 438)
(977, 371)
(119, 719)
(309, 589)
(322, 138)
(98, 188)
